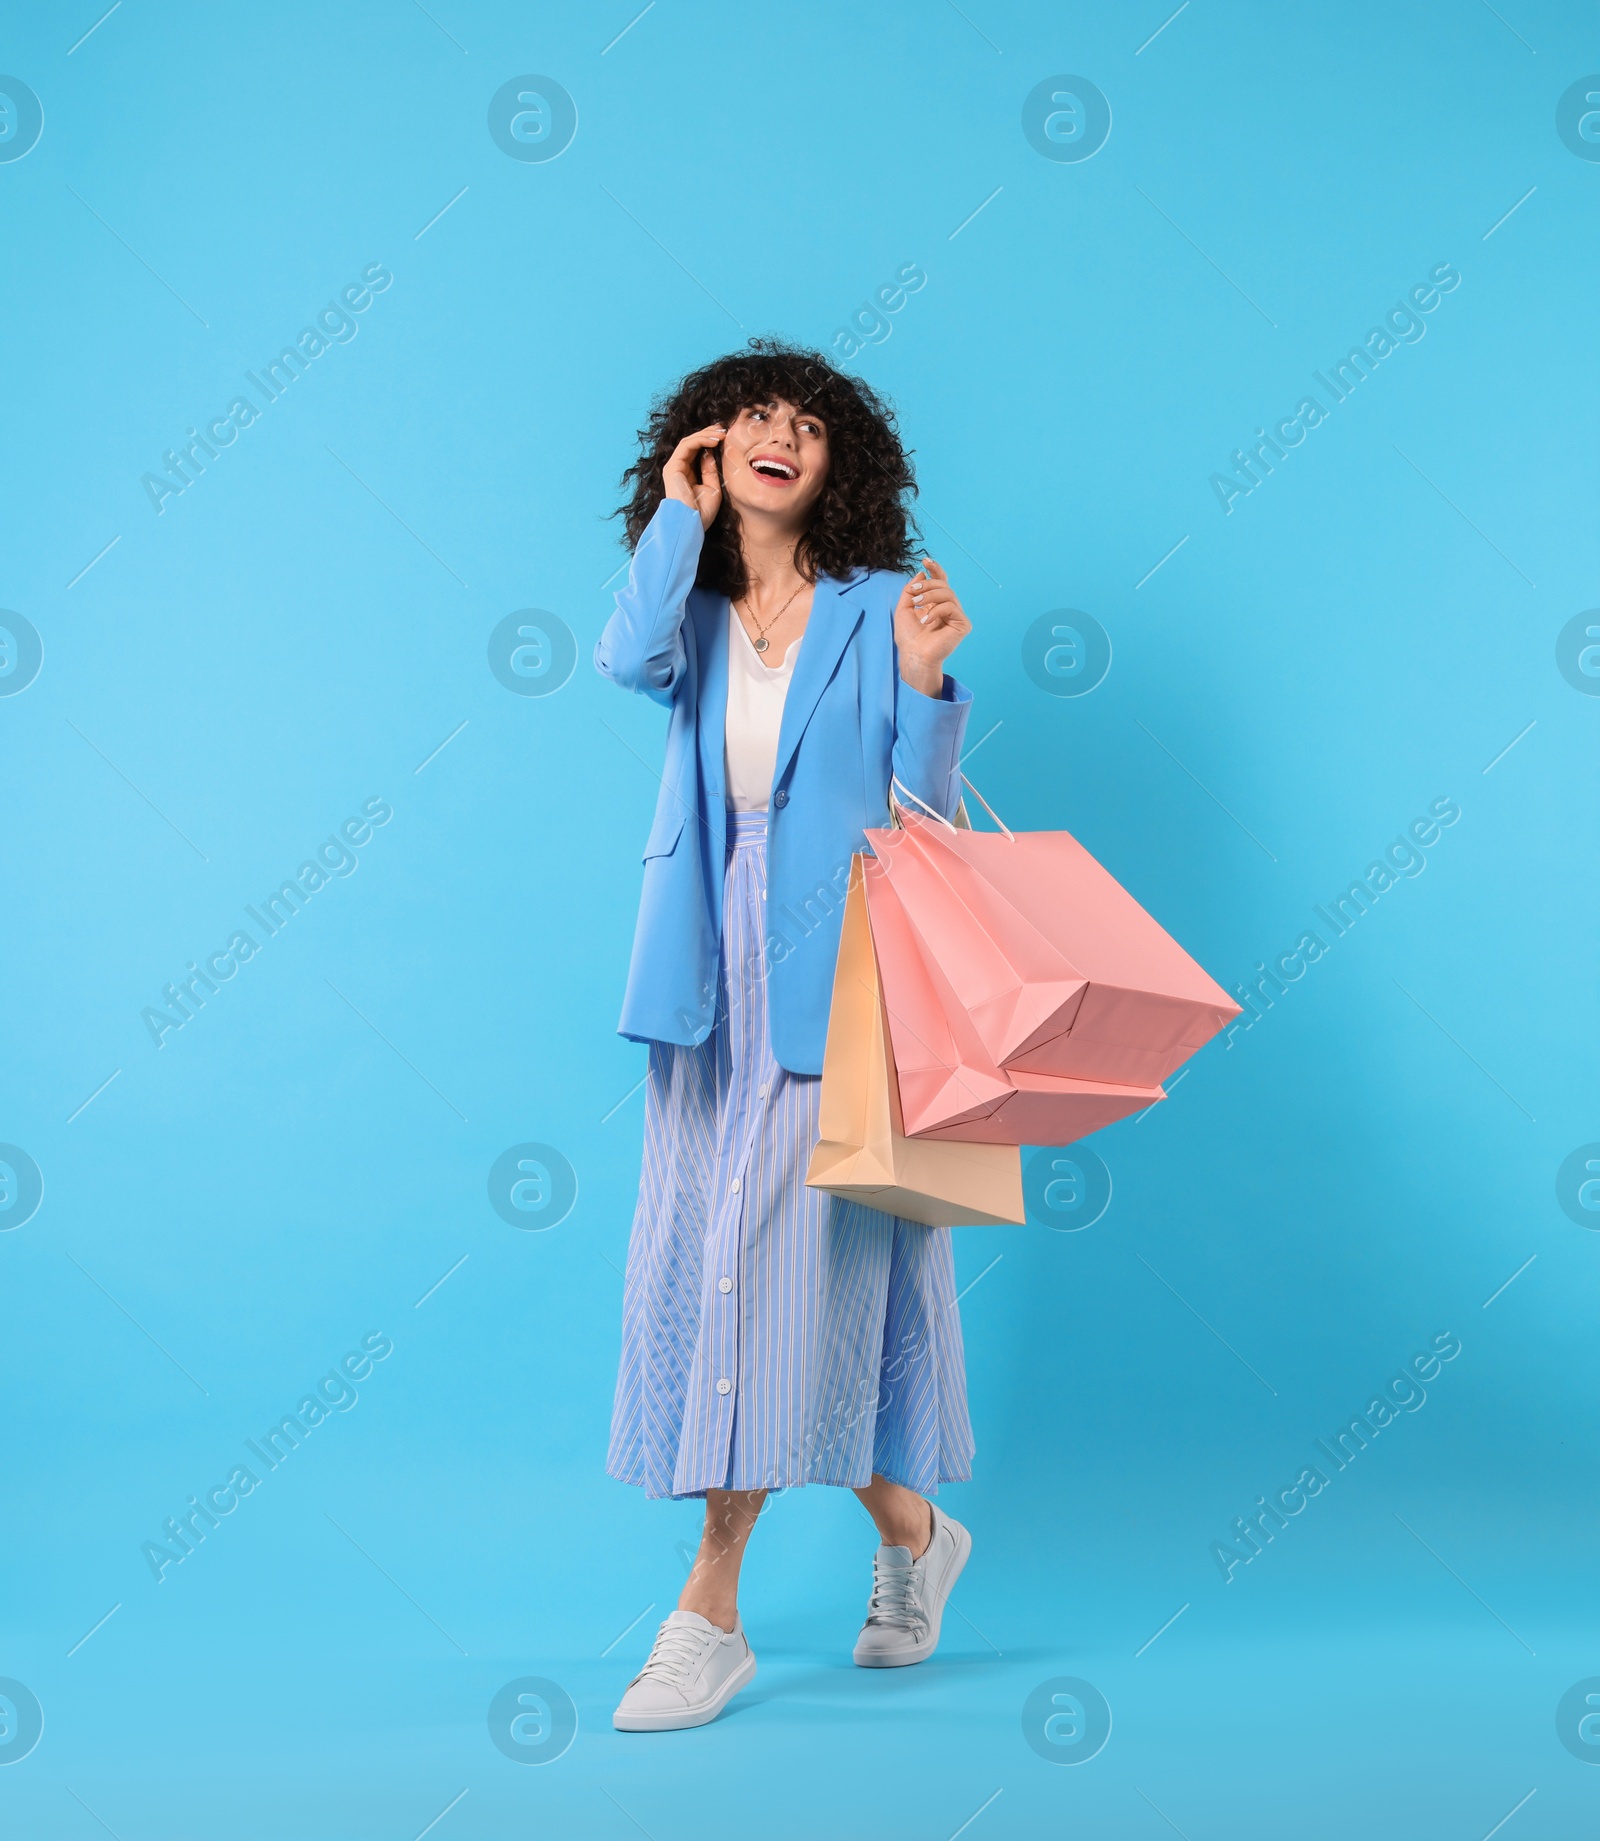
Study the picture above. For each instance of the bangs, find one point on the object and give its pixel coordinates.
(754, 383)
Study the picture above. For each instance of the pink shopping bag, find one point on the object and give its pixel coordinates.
(949, 1084)
(1061, 971)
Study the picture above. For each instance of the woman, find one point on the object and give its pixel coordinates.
(774, 1335)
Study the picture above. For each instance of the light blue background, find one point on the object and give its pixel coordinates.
(1288, 691)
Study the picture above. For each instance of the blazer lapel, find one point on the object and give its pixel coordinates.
(712, 633)
(835, 615)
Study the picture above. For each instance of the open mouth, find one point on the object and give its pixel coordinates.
(769, 466)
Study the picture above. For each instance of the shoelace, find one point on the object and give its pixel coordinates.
(894, 1598)
(676, 1650)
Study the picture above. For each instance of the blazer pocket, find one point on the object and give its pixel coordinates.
(665, 832)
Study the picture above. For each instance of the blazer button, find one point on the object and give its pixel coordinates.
(780, 798)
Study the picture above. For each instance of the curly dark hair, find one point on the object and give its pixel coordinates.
(861, 520)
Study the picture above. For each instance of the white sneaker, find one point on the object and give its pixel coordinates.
(908, 1597)
(694, 1670)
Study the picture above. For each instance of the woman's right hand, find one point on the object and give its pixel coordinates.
(695, 481)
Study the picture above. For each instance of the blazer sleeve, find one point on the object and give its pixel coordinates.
(642, 646)
(928, 732)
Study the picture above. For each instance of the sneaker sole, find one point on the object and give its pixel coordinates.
(920, 1653)
(702, 1715)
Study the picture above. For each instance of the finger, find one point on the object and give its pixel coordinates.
(701, 438)
(926, 613)
(936, 570)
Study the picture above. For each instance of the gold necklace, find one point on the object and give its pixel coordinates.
(761, 642)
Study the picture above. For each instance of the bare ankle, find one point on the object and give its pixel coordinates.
(725, 1621)
(924, 1540)
(913, 1530)
(724, 1616)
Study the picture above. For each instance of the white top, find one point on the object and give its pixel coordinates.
(756, 694)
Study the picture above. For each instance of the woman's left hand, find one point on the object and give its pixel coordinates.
(929, 624)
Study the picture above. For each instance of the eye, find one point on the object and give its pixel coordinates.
(757, 415)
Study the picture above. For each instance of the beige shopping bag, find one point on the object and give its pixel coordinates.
(864, 1154)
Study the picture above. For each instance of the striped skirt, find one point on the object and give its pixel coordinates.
(772, 1335)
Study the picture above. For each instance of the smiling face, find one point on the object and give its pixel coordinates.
(775, 463)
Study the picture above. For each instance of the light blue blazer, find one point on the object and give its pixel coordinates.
(849, 722)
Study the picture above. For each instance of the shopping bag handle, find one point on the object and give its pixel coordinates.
(894, 783)
(989, 808)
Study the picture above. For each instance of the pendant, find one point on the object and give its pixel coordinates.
(761, 645)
